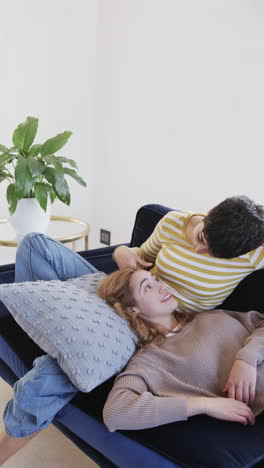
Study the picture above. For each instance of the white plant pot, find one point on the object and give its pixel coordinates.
(29, 217)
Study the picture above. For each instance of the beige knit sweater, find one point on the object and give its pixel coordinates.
(196, 361)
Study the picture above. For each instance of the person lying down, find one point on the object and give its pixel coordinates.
(206, 363)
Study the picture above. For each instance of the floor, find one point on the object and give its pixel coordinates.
(49, 449)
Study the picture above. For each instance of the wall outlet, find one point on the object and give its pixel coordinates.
(105, 237)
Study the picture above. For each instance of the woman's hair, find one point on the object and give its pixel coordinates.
(115, 289)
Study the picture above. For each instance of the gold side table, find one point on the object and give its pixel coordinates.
(83, 232)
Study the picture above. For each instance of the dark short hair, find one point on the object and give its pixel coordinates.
(234, 227)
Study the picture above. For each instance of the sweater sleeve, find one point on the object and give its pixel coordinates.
(130, 405)
(151, 247)
(168, 229)
(256, 258)
(253, 350)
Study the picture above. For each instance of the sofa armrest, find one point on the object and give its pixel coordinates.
(7, 273)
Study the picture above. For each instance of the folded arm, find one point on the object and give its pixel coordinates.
(130, 405)
(241, 383)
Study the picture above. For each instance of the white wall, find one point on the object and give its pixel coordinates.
(180, 105)
(164, 97)
(48, 53)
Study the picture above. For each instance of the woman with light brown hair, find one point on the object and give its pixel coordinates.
(204, 363)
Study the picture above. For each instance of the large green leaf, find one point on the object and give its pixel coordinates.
(71, 162)
(3, 149)
(73, 174)
(51, 159)
(62, 191)
(11, 198)
(25, 133)
(59, 184)
(54, 144)
(41, 194)
(34, 150)
(23, 178)
(50, 175)
(35, 166)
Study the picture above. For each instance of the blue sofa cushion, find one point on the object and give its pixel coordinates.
(204, 442)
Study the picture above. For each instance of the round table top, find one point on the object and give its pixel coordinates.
(76, 229)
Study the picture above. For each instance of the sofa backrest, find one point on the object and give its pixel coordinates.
(146, 219)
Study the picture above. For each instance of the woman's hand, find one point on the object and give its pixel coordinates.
(229, 409)
(128, 258)
(241, 383)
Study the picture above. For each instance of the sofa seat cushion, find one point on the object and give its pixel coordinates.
(204, 442)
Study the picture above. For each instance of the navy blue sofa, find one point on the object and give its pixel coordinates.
(201, 442)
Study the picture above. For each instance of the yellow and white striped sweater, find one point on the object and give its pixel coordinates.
(198, 281)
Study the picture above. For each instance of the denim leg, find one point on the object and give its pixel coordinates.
(38, 396)
(45, 389)
(40, 257)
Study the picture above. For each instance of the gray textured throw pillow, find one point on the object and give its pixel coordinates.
(71, 323)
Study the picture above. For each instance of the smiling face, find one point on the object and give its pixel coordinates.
(153, 301)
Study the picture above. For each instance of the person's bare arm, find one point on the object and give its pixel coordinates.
(126, 257)
(145, 255)
(228, 409)
(241, 383)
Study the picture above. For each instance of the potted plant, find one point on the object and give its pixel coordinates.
(36, 175)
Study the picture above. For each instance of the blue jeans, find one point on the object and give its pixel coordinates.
(45, 389)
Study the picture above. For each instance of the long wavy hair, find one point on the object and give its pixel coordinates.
(115, 289)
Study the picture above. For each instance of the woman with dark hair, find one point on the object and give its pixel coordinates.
(209, 363)
(202, 258)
